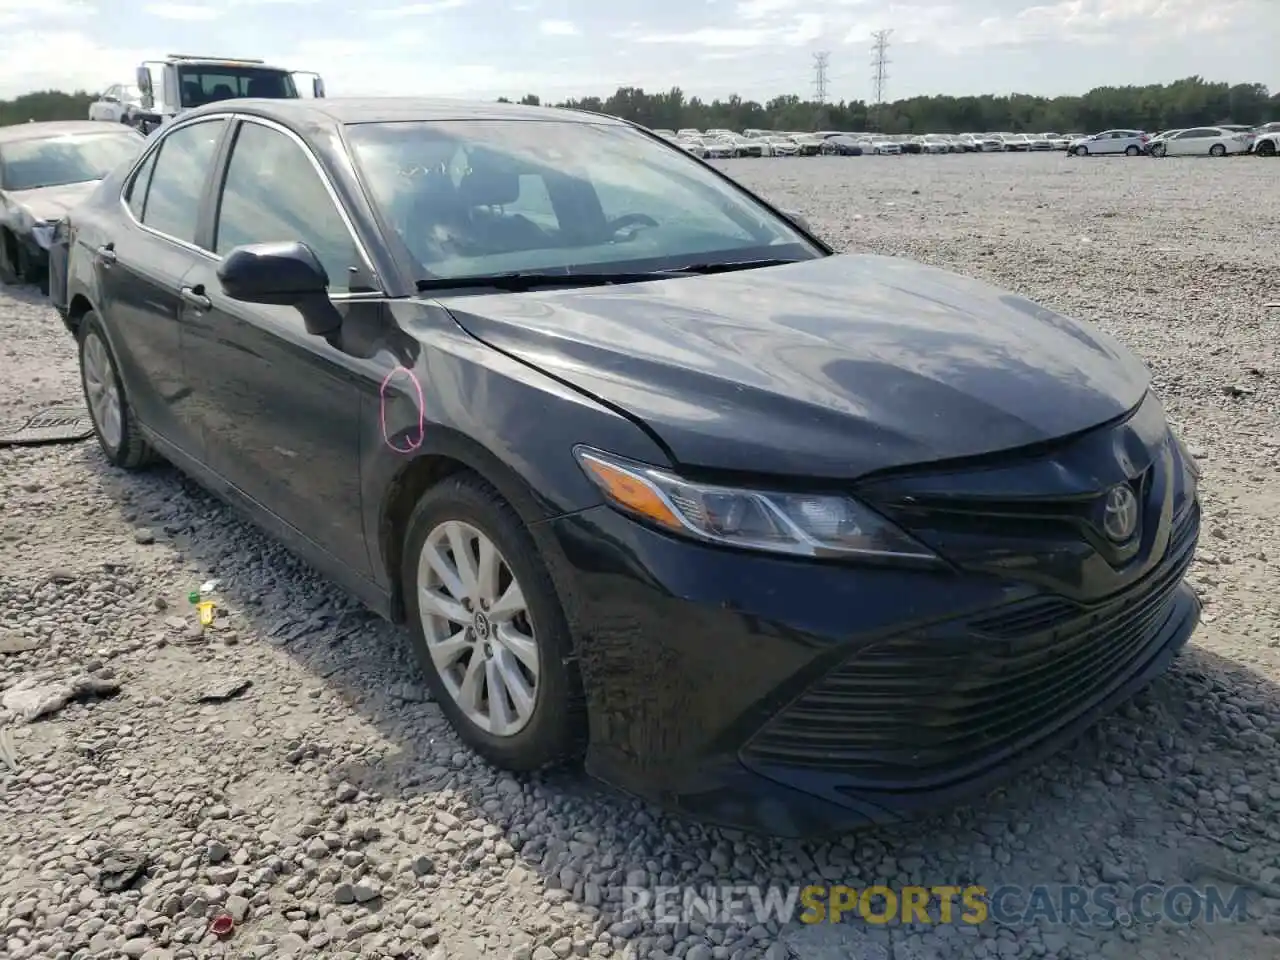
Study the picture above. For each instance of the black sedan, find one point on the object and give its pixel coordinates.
(781, 538)
(45, 170)
(841, 146)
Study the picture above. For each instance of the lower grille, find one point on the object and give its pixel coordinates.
(919, 710)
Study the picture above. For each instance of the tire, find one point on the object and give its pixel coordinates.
(28, 272)
(128, 451)
(1217, 150)
(1159, 150)
(9, 248)
(1131, 151)
(554, 733)
(1081, 151)
(1266, 149)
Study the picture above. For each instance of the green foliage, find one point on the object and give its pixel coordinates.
(46, 105)
(1189, 102)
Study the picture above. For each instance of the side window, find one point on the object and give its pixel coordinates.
(112, 92)
(177, 181)
(272, 193)
(136, 195)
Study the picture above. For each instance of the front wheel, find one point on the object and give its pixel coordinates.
(1217, 150)
(1265, 149)
(488, 628)
(1159, 150)
(1081, 151)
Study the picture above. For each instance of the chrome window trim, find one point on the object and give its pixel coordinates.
(361, 251)
(128, 183)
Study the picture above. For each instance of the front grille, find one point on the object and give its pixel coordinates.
(923, 709)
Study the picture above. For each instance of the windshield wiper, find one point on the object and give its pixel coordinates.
(530, 280)
(732, 265)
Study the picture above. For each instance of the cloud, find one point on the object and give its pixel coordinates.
(14, 12)
(558, 28)
(416, 9)
(1080, 22)
(182, 11)
(82, 62)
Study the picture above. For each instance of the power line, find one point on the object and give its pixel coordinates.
(820, 76)
(879, 64)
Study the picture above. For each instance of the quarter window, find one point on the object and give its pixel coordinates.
(136, 196)
(180, 170)
(273, 193)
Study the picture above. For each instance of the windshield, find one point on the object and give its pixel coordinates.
(55, 162)
(209, 83)
(477, 198)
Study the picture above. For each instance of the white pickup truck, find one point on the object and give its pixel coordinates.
(180, 82)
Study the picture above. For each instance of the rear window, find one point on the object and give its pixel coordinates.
(209, 84)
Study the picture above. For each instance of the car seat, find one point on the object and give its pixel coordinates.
(488, 185)
(221, 92)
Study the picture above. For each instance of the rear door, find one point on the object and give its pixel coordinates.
(140, 273)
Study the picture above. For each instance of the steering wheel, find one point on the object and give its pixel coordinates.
(618, 224)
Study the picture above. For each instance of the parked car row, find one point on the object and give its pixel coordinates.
(592, 420)
(1216, 141)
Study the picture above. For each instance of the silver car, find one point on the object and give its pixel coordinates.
(1132, 143)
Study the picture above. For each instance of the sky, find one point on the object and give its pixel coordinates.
(709, 48)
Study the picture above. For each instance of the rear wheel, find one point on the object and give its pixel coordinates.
(488, 628)
(1217, 150)
(113, 420)
(1131, 151)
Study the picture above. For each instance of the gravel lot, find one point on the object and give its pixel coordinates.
(327, 807)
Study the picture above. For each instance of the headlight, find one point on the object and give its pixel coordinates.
(43, 234)
(800, 524)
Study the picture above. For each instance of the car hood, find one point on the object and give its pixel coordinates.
(53, 203)
(834, 367)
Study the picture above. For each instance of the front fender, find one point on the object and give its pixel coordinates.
(462, 403)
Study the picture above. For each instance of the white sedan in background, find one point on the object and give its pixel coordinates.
(116, 103)
(1202, 142)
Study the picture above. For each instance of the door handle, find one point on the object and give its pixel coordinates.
(195, 298)
(107, 253)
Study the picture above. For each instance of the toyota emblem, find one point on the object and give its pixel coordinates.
(1120, 513)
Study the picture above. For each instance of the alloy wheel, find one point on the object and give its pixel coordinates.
(101, 390)
(477, 628)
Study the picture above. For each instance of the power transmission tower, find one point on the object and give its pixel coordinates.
(879, 64)
(820, 76)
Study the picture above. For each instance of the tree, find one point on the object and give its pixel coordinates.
(1186, 102)
(46, 105)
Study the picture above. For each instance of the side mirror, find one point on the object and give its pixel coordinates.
(317, 87)
(282, 274)
(143, 80)
(799, 220)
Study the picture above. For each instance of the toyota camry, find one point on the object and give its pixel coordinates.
(778, 537)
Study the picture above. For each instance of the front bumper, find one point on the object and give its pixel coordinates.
(801, 699)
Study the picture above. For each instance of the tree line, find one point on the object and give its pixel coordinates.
(1192, 101)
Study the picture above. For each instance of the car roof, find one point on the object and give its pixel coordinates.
(342, 111)
(57, 128)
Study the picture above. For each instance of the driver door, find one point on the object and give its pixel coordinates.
(280, 408)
